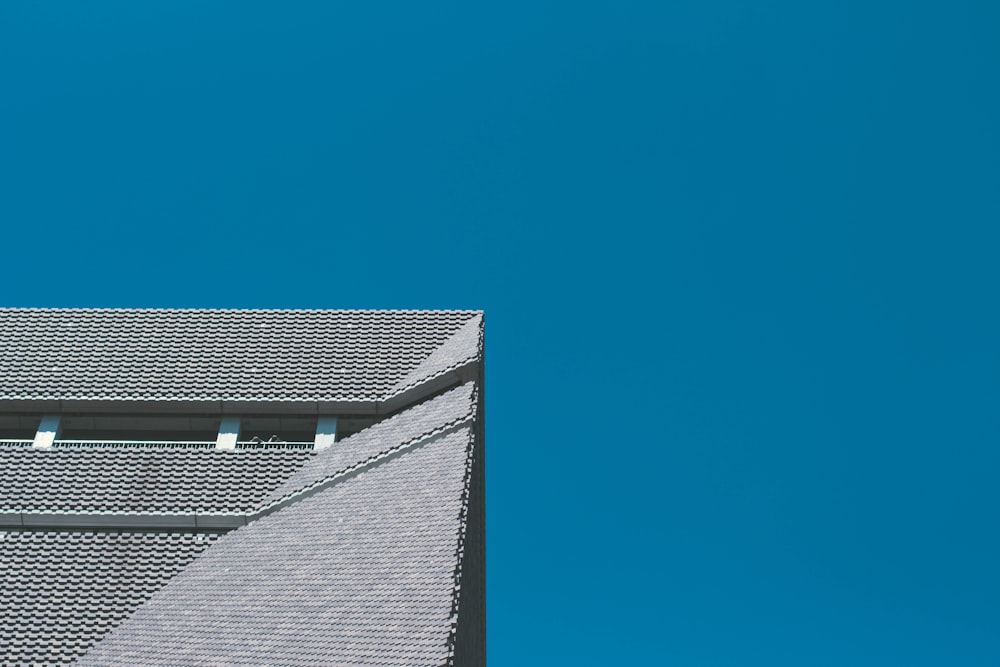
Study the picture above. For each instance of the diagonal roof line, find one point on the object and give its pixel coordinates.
(460, 373)
(367, 464)
(217, 361)
(437, 411)
(136, 522)
(462, 350)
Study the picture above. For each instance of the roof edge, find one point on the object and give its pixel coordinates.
(366, 407)
(131, 521)
(367, 464)
(123, 521)
(60, 309)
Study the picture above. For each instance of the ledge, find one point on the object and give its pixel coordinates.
(131, 521)
(78, 521)
(464, 372)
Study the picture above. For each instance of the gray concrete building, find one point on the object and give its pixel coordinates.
(242, 487)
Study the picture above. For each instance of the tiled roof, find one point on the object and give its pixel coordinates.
(420, 420)
(132, 480)
(464, 346)
(216, 355)
(363, 573)
(367, 553)
(60, 592)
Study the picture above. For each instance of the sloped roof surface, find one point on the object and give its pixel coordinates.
(362, 573)
(60, 592)
(361, 554)
(420, 420)
(464, 346)
(163, 480)
(215, 355)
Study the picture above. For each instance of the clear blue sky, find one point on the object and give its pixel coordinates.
(739, 262)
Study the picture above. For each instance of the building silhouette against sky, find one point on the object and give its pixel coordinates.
(242, 487)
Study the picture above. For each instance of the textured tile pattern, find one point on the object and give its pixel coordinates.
(408, 425)
(366, 572)
(318, 355)
(464, 346)
(162, 480)
(363, 573)
(62, 591)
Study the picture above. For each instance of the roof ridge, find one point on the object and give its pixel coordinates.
(451, 355)
(360, 467)
(438, 412)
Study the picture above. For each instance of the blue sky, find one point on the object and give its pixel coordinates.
(739, 264)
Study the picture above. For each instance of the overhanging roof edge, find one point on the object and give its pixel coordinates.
(405, 399)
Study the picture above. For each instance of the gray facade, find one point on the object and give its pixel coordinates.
(143, 523)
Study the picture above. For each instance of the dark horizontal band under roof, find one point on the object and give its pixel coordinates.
(222, 356)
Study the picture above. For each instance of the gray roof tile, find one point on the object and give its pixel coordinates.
(60, 592)
(420, 420)
(131, 480)
(464, 346)
(360, 552)
(217, 355)
(363, 573)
